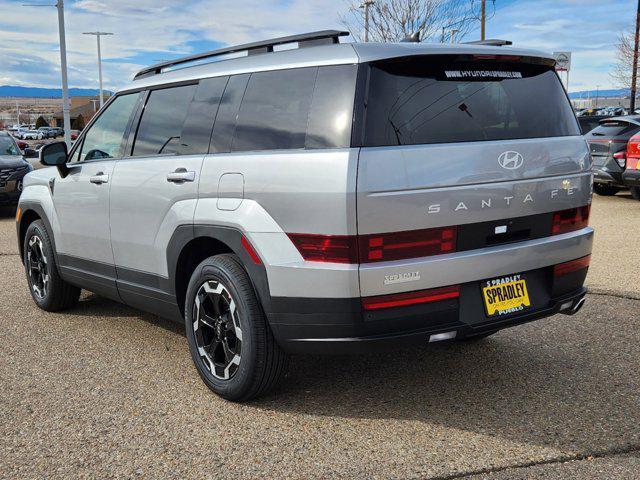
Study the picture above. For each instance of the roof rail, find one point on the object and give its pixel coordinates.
(494, 42)
(264, 46)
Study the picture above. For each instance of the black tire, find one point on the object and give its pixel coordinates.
(55, 294)
(605, 190)
(219, 283)
(635, 192)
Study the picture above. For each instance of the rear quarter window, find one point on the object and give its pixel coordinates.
(422, 101)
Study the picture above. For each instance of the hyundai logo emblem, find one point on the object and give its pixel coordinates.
(510, 160)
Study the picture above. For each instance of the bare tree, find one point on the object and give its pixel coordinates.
(622, 69)
(393, 20)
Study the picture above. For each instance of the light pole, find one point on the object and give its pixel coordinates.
(63, 67)
(597, 94)
(453, 34)
(366, 4)
(98, 35)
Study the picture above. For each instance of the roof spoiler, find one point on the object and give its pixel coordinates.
(493, 42)
(265, 46)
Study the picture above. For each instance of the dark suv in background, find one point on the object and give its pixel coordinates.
(608, 147)
(13, 167)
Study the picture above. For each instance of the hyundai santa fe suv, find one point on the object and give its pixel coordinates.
(330, 198)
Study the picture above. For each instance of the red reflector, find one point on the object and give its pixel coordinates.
(570, 220)
(326, 248)
(249, 249)
(572, 266)
(410, 298)
(412, 244)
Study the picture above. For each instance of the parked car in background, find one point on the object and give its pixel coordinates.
(21, 144)
(47, 132)
(631, 175)
(58, 132)
(608, 147)
(24, 134)
(74, 134)
(13, 168)
(589, 122)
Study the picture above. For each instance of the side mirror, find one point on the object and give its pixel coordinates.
(30, 153)
(55, 155)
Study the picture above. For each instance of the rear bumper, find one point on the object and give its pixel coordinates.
(340, 326)
(603, 175)
(631, 178)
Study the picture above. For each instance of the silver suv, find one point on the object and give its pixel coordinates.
(330, 198)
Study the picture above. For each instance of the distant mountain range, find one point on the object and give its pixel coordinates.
(35, 92)
(620, 92)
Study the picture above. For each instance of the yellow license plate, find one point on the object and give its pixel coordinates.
(503, 296)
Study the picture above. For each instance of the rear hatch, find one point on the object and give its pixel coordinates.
(452, 140)
(609, 137)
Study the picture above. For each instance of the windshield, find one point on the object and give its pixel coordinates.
(418, 101)
(8, 146)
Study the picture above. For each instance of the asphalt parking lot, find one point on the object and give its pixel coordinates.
(107, 391)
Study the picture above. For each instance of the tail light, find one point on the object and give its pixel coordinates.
(410, 298)
(401, 245)
(633, 153)
(382, 247)
(326, 248)
(572, 266)
(570, 220)
(621, 158)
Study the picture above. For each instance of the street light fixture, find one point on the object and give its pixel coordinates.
(98, 35)
(63, 66)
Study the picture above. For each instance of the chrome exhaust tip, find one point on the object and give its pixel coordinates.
(572, 310)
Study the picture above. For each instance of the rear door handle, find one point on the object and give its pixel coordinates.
(99, 178)
(181, 175)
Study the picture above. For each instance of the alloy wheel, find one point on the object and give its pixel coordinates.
(37, 267)
(216, 328)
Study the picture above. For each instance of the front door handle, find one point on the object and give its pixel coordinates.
(181, 175)
(99, 178)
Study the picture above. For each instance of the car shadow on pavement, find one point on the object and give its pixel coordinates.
(531, 389)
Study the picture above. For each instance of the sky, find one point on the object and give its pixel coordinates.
(148, 31)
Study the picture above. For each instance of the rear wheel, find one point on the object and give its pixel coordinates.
(635, 192)
(230, 341)
(47, 288)
(605, 190)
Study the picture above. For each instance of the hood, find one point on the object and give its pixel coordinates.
(10, 161)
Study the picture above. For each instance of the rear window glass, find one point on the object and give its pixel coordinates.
(414, 101)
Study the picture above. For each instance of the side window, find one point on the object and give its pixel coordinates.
(105, 138)
(274, 110)
(228, 113)
(196, 132)
(160, 128)
(331, 113)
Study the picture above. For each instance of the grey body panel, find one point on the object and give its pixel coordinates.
(472, 265)
(414, 187)
(82, 209)
(146, 209)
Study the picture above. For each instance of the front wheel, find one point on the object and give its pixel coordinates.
(47, 288)
(635, 192)
(230, 341)
(605, 190)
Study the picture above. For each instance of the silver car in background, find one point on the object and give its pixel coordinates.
(330, 198)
